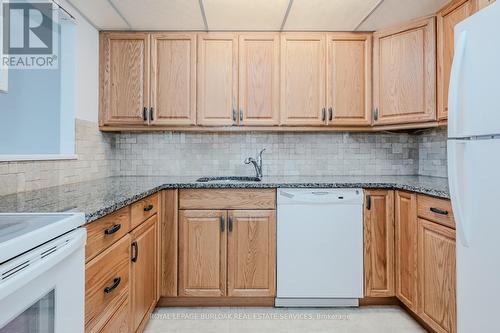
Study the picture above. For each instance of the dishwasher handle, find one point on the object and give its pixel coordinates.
(320, 196)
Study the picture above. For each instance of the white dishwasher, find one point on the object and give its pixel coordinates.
(319, 247)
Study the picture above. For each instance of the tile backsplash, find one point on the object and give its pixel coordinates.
(432, 159)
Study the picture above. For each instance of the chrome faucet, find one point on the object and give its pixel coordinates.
(257, 163)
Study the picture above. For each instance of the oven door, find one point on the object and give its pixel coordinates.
(42, 291)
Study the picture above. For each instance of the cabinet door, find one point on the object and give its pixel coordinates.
(173, 78)
(303, 79)
(404, 88)
(202, 252)
(252, 253)
(259, 79)
(406, 248)
(349, 79)
(217, 79)
(124, 78)
(447, 19)
(379, 243)
(144, 270)
(437, 276)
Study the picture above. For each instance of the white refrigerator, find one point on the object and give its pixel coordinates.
(474, 168)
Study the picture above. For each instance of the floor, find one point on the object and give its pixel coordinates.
(380, 319)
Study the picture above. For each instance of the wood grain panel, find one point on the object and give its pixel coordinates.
(437, 276)
(252, 253)
(405, 73)
(120, 321)
(124, 82)
(227, 199)
(216, 301)
(217, 78)
(100, 273)
(379, 243)
(349, 78)
(144, 270)
(143, 209)
(259, 79)
(202, 253)
(406, 248)
(173, 78)
(169, 243)
(447, 19)
(97, 238)
(427, 204)
(303, 78)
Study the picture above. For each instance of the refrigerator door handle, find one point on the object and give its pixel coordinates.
(453, 92)
(455, 161)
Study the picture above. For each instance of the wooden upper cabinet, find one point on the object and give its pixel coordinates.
(144, 270)
(404, 87)
(173, 78)
(259, 79)
(217, 79)
(447, 19)
(124, 86)
(406, 248)
(252, 253)
(484, 3)
(437, 276)
(303, 79)
(379, 243)
(202, 253)
(349, 79)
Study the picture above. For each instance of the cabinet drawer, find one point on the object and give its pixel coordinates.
(106, 231)
(227, 199)
(144, 209)
(436, 210)
(120, 321)
(106, 281)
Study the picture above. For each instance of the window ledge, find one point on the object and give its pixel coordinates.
(37, 157)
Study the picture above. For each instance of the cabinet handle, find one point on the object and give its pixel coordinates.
(368, 202)
(116, 282)
(375, 114)
(135, 251)
(148, 208)
(145, 114)
(113, 229)
(438, 211)
(230, 225)
(330, 114)
(151, 114)
(222, 224)
(241, 114)
(323, 114)
(234, 115)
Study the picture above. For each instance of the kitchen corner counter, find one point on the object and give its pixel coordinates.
(100, 197)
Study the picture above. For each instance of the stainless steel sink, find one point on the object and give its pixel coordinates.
(228, 179)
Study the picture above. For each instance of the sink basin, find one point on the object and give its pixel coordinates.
(227, 179)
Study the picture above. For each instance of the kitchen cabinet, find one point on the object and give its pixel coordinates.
(144, 271)
(169, 243)
(485, 3)
(202, 252)
(379, 243)
(258, 88)
(125, 85)
(437, 276)
(173, 79)
(217, 78)
(447, 18)
(251, 253)
(404, 71)
(406, 248)
(349, 79)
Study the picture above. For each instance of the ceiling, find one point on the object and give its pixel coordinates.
(269, 15)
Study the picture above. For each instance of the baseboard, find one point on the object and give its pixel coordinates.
(215, 301)
(368, 301)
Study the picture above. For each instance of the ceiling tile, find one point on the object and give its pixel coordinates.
(328, 15)
(161, 14)
(100, 13)
(245, 14)
(392, 12)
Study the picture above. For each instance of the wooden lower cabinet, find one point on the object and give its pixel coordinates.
(143, 271)
(406, 248)
(437, 276)
(379, 243)
(120, 321)
(251, 253)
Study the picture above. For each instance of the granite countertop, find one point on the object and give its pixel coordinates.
(103, 196)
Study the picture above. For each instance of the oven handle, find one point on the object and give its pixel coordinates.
(75, 242)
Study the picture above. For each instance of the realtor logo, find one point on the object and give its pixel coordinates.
(30, 33)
